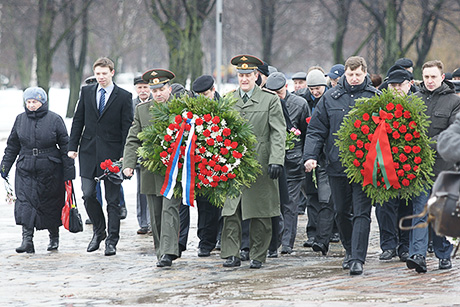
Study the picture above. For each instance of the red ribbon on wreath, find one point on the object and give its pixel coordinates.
(380, 152)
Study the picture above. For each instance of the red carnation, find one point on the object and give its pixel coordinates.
(178, 119)
(353, 136)
(403, 129)
(367, 146)
(198, 121)
(390, 106)
(215, 158)
(416, 149)
(405, 182)
(366, 117)
(202, 150)
(398, 113)
(226, 132)
(308, 119)
(418, 160)
(399, 107)
(408, 137)
(167, 138)
(172, 126)
(217, 168)
(234, 145)
(352, 148)
(227, 142)
(169, 150)
(412, 124)
(359, 154)
(205, 181)
(407, 167)
(394, 149)
(224, 169)
(357, 123)
(407, 114)
(235, 153)
(210, 142)
(214, 184)
(407, 149)
(359, 143)
(207, 133)
(163, 154)
(390, 116)
(215, 128)
(395, 124)
(365, 129)
(223, 178)
(370, 136)
(215, 178)
(201, 177)
(416, 134)
(223, 151)
(396, 165)
(411, 176)
(187, 127)
(219, 138)
(415, 168)
(212, 163)
(216, 120)
(402, 158)
(400, 173)
(207, 117)
(396, 135)
(189, 115)
(231, 175)
(356, 163)
(197, 159)
(388, 128)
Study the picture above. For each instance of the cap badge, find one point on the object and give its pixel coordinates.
(153, 73)
(244, 66)
(243, 58)
(156, 81)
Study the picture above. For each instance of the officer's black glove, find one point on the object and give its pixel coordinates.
(3, 174)
(274, 170)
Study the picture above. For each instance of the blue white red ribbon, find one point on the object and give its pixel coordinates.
(188, 169)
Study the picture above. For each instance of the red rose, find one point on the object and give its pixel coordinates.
(234, 145)
(198, 121)
(205, 181)
(217, 168)
(187, 127)
(169, 150)
(178, 119)
(396, 135)
(214, 184)
(390, 106)
(403, 129)
(202, 150)
(411, 176)
(207, 117)
(388, 128)
(172, 126)
(219, 138)
(212, 163)
(390, 116)
(215, 158)
(352, 148)
(407, 149)
(223, 178)
(416, 134)
(359, 143)
(412, 124)
(201, 177)
(365, 129)
(215, 128)
(407, 167)
(402, 158)
(235, 153)
(370, 136)
(216, 120)
(226, 132)
(396, 165)
(308, 119)
(418, 160)
(215, 178)
(197, 159)
(357, 123)
(398, 113)
(407, 114)
(189, 115)
(167, 138)
(415, 168)
(408, 137)
(416, 149)
(399, 107)
(163, 154)
(223, 151)
(207, 133)
(227, 142)
(356, 163)
(224, 169)
(353, 136)
(394, 149)
(231, 175)
(400, 173)
(210, 142)
(359, 154)
(367, 146)
(395, 124)
(405, 182)
(366, 117)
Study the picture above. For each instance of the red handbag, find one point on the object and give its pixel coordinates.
(70, 216)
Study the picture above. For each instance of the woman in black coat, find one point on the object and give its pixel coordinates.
(39, 140)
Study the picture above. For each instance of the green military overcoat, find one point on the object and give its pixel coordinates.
(263, 111)
(150, 183)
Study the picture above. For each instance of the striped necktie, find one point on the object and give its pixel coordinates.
(101, 101)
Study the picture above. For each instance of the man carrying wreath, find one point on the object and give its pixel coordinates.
(164, 213)
(261, 201)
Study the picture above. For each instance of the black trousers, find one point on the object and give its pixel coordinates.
(388, 216)
(95, 212)
(353, 216)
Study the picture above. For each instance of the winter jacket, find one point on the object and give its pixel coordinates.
(39, 140)
(442, 107)
(326, 121)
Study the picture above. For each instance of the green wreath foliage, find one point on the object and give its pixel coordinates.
(406, 127)
(233, 150)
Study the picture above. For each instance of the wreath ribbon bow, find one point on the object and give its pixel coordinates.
(380, 155)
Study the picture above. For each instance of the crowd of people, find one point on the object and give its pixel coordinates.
(307, 178)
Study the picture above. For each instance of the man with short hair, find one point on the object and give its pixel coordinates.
(260, 202)
(352, 206)
(164, 212)
(442, 107)
(99, 129)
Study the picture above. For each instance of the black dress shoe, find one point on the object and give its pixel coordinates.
(88, 222)
(430, 248)
(346, 262)
(244, 255)
(232, 261)
(445, 264)
(387, 254)
(110, 250)
(95, 242)
(123, 213)
(403, 256)
(286, 250)
(335, 238)
(417, 262)
(309, 242)
(165, 260)
(255, 264)
(142, 230)
(272, 254)
(356, 268)
(320, 247)
(204, 252)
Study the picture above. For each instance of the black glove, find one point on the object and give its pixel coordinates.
(274, 170)
(3, 174)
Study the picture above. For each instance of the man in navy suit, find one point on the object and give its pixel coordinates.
(99, 129)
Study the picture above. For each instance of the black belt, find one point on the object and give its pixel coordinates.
(37, 151)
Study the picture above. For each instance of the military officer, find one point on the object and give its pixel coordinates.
(164, 213)
(261, 201)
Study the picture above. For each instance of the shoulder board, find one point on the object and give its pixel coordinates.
(230, 93)
(268, 91)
